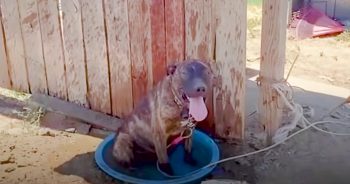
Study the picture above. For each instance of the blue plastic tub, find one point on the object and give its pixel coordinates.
(204, 151)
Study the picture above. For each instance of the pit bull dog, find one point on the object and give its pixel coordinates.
(180, 95)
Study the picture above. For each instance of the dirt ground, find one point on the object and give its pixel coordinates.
(30, 154)
(324, 60)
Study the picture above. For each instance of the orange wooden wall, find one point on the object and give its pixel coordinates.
(106, 54)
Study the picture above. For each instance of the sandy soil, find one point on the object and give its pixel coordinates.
(325, 60)
(29, 154)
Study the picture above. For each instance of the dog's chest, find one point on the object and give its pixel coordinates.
(174, 127)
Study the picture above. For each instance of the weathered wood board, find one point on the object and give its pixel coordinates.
(158, 40)
(229, 96)
(30, 24)
(140, 47)
(14, 45)
(117, 24)
(96, 55)
(4, 74)
(73, 47)
(273, 50)
(175, 30)
(199, 39)
(53, 48)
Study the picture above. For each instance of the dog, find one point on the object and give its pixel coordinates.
(157, 117)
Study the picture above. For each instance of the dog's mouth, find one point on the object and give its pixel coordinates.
(197, 108)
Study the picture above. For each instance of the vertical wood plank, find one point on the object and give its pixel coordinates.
(140, 47)
(158, 40)
(198, 29)
(96, 55)
(199, 39)
(53, 49)
(273, 48)
(229, 97)
(116, 15)
(73, 48)
(14, 45)
(4, 70)
(175, 30)
(29, 17)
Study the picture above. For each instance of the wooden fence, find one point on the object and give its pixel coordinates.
(105, 54)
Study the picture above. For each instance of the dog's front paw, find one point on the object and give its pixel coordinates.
(189, 159)
(166, 167)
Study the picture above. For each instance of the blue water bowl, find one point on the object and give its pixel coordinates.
(204, 151)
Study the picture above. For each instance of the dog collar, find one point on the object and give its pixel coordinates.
(189, 126)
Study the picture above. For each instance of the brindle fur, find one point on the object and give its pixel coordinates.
(156, 118)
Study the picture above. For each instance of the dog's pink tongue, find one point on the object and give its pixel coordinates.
(198, 110)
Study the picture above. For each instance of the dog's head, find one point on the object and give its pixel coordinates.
(192, 80)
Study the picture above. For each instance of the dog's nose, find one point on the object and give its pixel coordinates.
(201, 89)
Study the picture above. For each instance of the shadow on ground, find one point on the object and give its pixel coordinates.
(84, 166)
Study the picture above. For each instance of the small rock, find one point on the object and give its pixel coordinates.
(12, 147)
(46, 132)
(70, 130)
(10, 169)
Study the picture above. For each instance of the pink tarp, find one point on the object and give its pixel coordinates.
(312, 23)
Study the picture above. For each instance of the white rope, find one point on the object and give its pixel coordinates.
(313, 125)
(297, 110)
(281, 134)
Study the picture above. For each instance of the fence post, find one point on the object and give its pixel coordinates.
(273, 47)
(4, 74)
(230, 52)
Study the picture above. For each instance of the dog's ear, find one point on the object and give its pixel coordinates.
(171, 69)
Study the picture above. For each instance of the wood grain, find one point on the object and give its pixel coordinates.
(14, 45)
(199, 39)
(273, 48)
(229, 97)
(198, 29)
(175, 30)
(116, 15)
(53, 49)
(30, 25)
(158, 40)
(96, 55)
(73, 47)
(140, 47)
(4, 70)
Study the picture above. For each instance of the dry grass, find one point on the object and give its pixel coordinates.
(252, 25)
(345, 36)
(14, 94)
(30, 114)
(254, 20)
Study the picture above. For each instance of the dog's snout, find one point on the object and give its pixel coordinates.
(201, 89)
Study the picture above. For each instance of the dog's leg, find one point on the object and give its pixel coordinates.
(123, 149)
(188, 148)
(161, 151)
